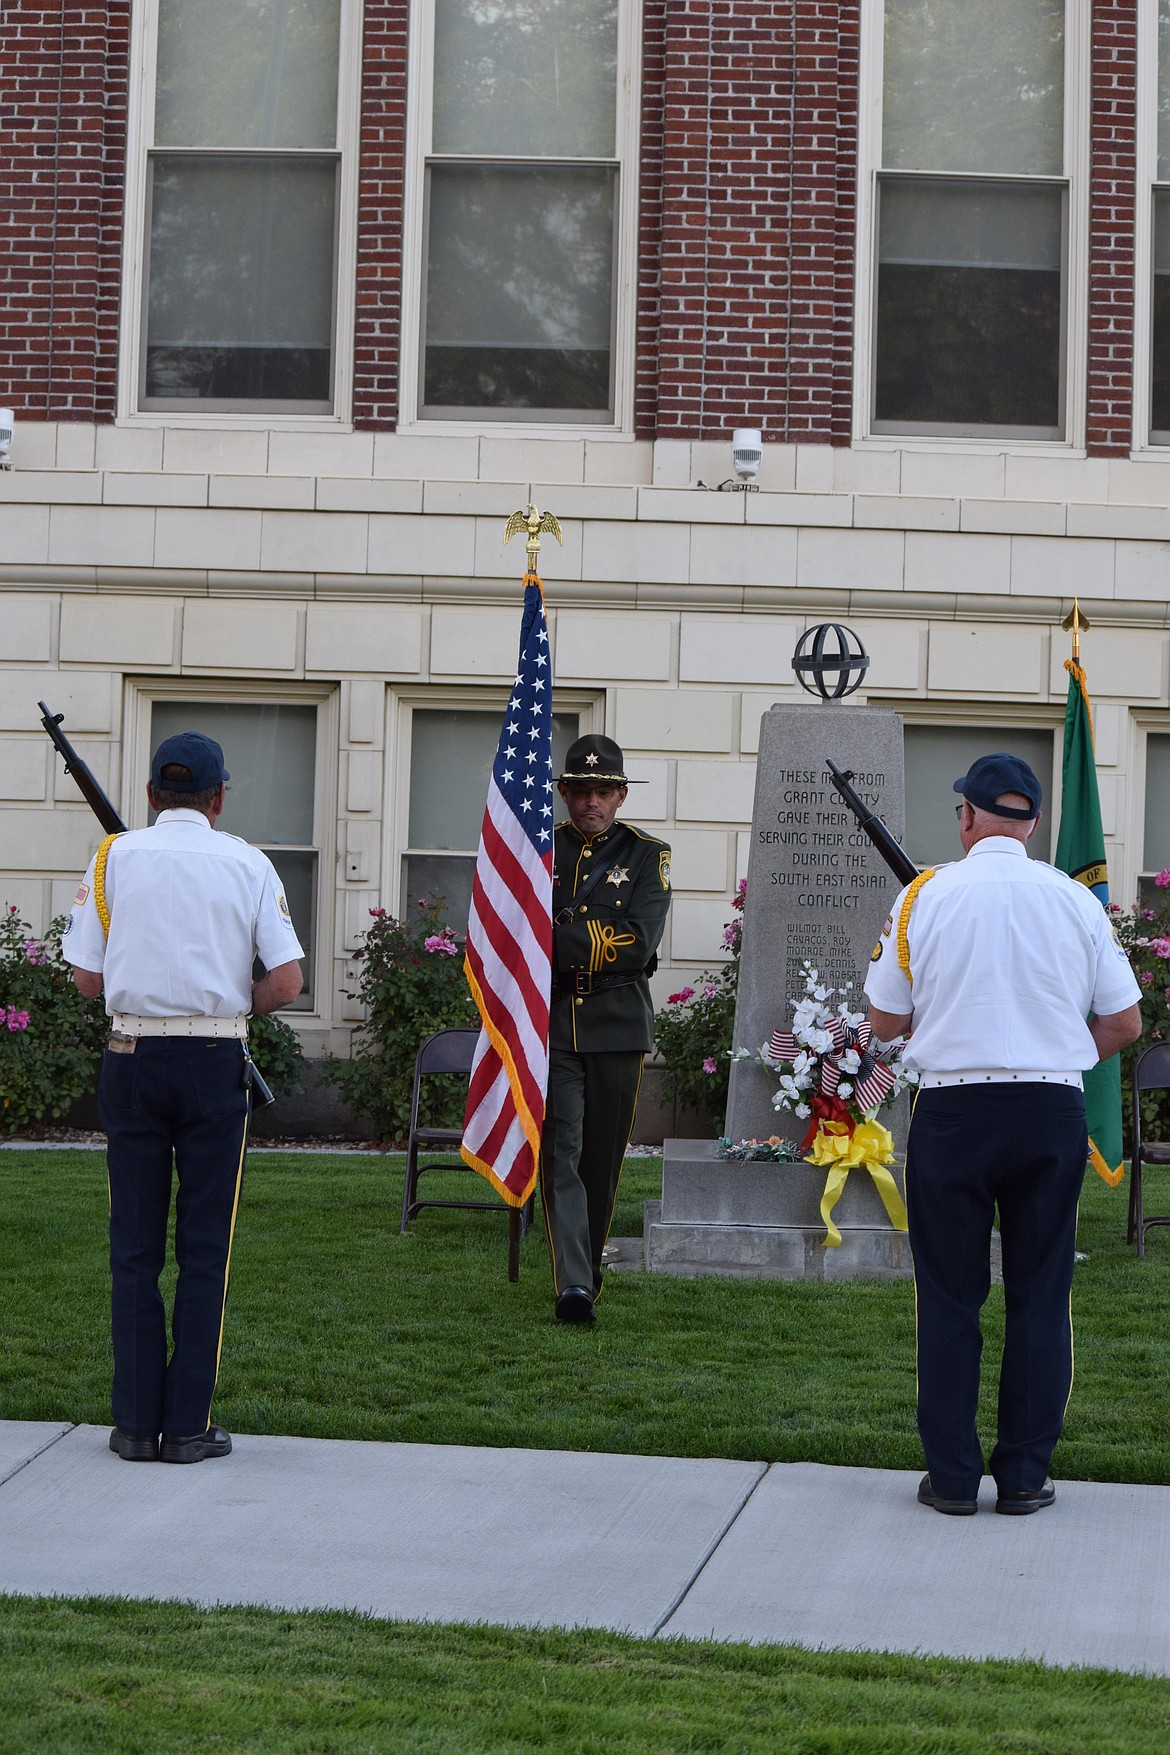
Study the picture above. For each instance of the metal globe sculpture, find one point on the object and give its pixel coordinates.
(830, 661)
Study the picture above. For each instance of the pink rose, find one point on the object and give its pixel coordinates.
(16, 1020)
(440, 943)
(1161, 947)
(683, 994)
(709, 989)
(34, 950)
(1163, 879)
(377, 913)
(1145, 977)
(709, 1065)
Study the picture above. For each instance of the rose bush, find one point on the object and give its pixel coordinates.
(410, 980)
(1145, 935)
(51, 1037)
(693, 1030)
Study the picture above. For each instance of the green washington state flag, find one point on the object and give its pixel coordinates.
(1080, 851)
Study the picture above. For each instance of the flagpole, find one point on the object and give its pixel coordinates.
(1080, 851)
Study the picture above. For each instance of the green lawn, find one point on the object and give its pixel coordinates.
(339, 1327)
(139, 1679)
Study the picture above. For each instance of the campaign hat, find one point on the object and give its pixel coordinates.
(596, 757)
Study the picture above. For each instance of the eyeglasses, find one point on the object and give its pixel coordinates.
(959, 810)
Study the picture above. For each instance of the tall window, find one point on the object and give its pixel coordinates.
(521, 132)
(243, 170)
(451, 756)
(1156, 843)
(935, 757)
(972, 219)
(270, 751)
(1160, 373)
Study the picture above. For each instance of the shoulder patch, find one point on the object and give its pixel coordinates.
(664, 868)
(283, 906)
(82, 896)
(877, 949)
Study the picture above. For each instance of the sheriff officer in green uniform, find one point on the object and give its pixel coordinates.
(611, 892)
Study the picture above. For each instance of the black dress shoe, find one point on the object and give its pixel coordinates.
(214, 1442)
(133, 1449)
(1024, 1504)
(950, 1507)
(575, 1304)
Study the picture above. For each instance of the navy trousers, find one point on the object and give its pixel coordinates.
(172, 1106)
(1021, 1148)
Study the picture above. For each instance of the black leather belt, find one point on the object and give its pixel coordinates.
(582, 981)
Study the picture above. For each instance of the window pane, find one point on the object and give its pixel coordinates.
(451, 756)
(1156, 854)
(936, 755)
(1160, 345)
(1164, 91)
(969, 304)
(974, 85)
(241, 279)
(429, 875)
(270, 753)
(247, 73)
(519, 287)
(533, 78)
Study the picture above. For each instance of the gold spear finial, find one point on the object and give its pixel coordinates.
(533, 521)
(1076, 621)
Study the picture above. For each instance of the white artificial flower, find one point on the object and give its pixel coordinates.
(803, 1065)
(850, 1061)
(819, 1041)
(803, 1110)
(844, 1089)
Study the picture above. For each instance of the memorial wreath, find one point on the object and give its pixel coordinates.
(830, 1074)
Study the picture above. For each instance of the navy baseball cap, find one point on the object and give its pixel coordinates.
(201, 755)
(991, 776)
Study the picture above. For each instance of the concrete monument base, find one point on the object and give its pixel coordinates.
(762, 1221)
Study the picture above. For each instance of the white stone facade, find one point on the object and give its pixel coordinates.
(366, 574)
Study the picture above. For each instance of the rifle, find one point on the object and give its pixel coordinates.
(112, 823)
(892, 851)
(96, 799)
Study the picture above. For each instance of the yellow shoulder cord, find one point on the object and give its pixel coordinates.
(904, 920)
(99, 882)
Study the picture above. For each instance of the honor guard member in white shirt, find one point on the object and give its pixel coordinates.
(1012, 983)
(611, 893)
(168, 923)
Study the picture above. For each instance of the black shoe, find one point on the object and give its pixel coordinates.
(133, 1449)
(1024, 1504)
(214, 1442)
(951, 1507)
(575, 1304)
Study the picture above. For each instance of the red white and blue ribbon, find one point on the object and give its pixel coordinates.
(872, 1082)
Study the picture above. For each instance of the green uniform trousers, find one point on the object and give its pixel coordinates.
(588, 1118)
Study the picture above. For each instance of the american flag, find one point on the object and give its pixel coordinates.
(509, 934)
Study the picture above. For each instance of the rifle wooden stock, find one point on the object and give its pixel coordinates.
(96, 799)
(892, 851)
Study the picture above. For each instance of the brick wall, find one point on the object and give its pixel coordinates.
(1112, 193)
(63, 79)
(755, 282)
(380, 212)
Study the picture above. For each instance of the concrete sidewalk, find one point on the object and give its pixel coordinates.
(655, 1546)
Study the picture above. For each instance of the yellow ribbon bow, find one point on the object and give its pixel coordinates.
(869, 1146)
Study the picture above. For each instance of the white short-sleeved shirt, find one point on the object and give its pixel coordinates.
(1008, 957)
(190, 910)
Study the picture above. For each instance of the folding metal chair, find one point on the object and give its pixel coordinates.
(1151, 1072)
(449, 1052)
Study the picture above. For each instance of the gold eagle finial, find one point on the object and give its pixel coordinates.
(533, 521)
